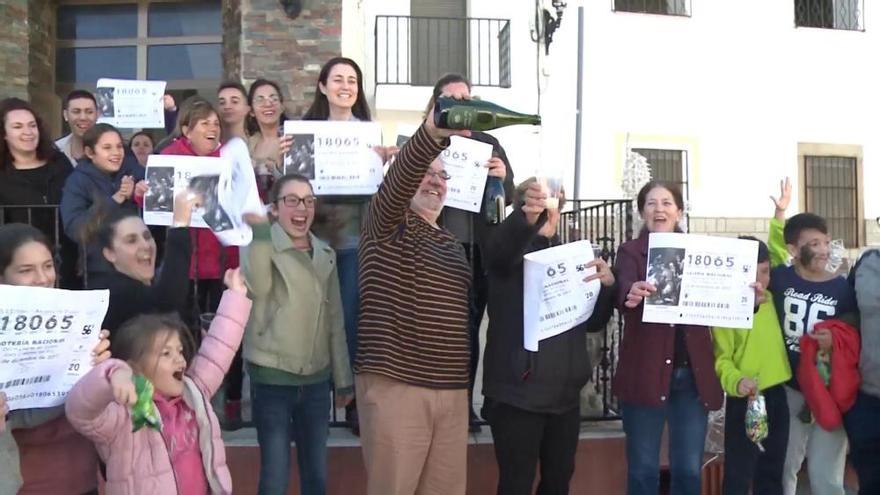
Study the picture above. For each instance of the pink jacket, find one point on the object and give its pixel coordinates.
(138, 462)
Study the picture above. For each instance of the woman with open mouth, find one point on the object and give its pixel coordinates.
(666, 373)
(265, 124)
(295, 339)
(200, 130)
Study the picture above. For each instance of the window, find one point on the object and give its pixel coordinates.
(830, 14)
(664, 7)
(667, 165)
(439, 34)
(831, 190)
(176, 41)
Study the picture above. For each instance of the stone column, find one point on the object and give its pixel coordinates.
(13, 52)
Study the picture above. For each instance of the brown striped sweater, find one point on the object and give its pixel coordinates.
(414, 282)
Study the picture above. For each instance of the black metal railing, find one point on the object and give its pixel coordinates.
(831, 190)
(662, 7)
(419, 50)
(606, 223)
(829, 14)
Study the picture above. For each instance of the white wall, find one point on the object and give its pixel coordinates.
(736, 84)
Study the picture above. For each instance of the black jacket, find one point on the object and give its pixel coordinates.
(547, 381)
(130, 297)
(16, 190)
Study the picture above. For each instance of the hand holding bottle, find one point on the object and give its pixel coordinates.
(440, 134)
(496, 167)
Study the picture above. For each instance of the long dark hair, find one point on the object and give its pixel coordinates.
(45, 148)
(320, 109)
(14, 236)
(101, 225)
(135, 338)
(250, 122)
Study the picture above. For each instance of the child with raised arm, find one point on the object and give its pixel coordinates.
(191, 457)
(805, 293)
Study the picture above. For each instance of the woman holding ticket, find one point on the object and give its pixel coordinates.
(532, 398)
(52, 457)
(666, 373)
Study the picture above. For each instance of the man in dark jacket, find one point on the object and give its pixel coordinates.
(532, 398)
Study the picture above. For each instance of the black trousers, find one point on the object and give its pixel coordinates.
(524, 439)
(745, 466)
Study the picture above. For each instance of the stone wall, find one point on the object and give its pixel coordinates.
(231, 12)
(41, 60)
(14, 53)
(289, 51)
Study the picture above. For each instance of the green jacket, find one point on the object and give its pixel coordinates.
(296, 323)
(758, 353)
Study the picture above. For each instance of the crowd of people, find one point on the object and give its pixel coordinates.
(380, 299)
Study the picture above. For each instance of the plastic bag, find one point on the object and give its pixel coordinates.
(143, 412)
(757, 426)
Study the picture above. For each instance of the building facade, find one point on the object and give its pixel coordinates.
(725, 98)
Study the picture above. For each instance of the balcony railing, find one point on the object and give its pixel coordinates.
(419, 50)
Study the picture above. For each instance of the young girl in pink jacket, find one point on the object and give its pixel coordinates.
(186, 455)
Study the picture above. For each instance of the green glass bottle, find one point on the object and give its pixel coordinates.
(477, 115)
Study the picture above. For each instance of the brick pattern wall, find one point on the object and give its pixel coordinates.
(289, 51)
(231, 12)
(41, 60)
(14, 53)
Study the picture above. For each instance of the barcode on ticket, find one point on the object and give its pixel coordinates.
(712, 305)
(554, 314)
(20, 382)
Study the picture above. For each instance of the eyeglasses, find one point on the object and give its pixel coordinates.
(262, 100)
(442, 175)
(293, 201)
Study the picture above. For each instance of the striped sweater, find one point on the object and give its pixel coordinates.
(414, 283)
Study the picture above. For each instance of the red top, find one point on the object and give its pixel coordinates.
(209, 258)
(644, 370)
(56, 459)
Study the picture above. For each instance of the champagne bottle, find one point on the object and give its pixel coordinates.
(477, 115)
(493, 199)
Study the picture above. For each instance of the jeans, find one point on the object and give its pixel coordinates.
(862, 424)
(300, 413)
(347, 268)
(524, 440)
(643, 426)
(745, 465)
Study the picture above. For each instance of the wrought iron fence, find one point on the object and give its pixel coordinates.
(830, 14)
(607, 224)
(419, 50)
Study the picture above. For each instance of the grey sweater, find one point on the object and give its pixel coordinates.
(865, 277)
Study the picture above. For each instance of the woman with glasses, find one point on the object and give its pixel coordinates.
(264, 124)
(295, 342)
